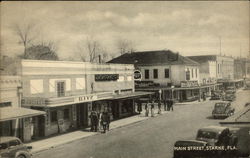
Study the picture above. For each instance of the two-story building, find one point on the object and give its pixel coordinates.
(69, 91)
(222, 69)
(14, 120)
(166, 72)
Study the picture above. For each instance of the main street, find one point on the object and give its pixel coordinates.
(150, 138)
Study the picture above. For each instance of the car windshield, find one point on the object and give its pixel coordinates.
(207, 135)
(3, 146)
(219, 105)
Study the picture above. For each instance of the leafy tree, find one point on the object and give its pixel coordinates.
(40, 52)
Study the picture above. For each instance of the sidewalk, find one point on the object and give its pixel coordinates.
(55, 141)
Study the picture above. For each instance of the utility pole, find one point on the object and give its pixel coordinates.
(220, 45)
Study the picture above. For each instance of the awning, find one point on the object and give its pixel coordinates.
(131, 95)
(12, 113)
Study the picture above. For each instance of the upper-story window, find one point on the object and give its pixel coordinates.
(155, 73)
(187, 75)
(218, 68)
(196, 73)
(192, 73)
(60, 88)
(146, 74)
(166, 73)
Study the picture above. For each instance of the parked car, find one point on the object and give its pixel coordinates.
(229, 96)
(216, 95)
(12, 147)
(222, 109)
(231, 88)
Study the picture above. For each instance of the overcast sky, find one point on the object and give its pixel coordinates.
(191, 27)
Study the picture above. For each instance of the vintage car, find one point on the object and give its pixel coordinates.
(12, 147)
(216, 95)
(229, 96)
(231, 88)
(222, 109)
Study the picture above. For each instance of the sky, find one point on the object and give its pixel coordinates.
(187, 27)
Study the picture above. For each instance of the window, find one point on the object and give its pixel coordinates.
(155, 73)
(5, 104)
(218, 68)
(3, 146)
(196, 73)
(166, 73)
(60, 89)
(187, 75)
(14, 143)
(53, 116)
(66, 114)
(146, 74)
(192, 73)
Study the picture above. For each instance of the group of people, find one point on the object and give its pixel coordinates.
(99, 121)
(168, 105)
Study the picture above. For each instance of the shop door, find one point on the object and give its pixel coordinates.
(41, 126)
(5, 128)
(82, 115)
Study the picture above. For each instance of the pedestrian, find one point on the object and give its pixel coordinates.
(171, 104)
(139, 107)
(168, 104)
(165, 104)
(105, 120)
(146, 109)
(204, 96)
(99, 121)
(159, 107)
(93, 120)
(152, 109)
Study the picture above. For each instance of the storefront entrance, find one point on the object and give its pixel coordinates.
(82, 115)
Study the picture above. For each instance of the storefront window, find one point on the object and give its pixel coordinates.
(146, 74)
(53, 116)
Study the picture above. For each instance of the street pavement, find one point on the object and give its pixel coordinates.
(152, 137)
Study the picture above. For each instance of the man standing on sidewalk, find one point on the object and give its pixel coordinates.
(152, 108)
(165, 104)
(146, 109)
(159, 107)
(105, 120)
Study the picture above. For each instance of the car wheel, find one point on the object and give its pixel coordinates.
(21, 156)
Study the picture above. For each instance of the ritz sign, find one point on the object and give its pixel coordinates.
(86, 98)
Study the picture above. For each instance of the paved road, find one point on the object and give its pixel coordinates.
(150, 138)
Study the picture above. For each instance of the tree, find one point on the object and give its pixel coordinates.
(24, 33)
(90, 49)
(125, 46)
(41, 52)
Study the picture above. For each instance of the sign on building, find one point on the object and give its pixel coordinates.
(106, 77)
(137, 75)
(189, 84)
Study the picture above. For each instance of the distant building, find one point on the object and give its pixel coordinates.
(175, 75)
(14, 120)
(221, 69)
(69, 91)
